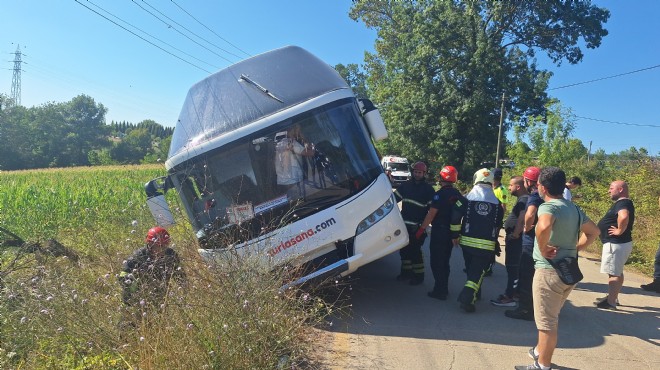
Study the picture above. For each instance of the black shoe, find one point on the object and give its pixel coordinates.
(653, 286)
(440, 296)
(519, 314)
(416, 281)
(469, 308)
(604, 304)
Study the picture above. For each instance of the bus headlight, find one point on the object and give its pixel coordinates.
(375, 216)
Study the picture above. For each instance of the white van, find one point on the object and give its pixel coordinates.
(399, 166)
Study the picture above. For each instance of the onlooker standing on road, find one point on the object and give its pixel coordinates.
(557, 236)
(525, 230)
(438, 217)
(415, 195)
(616, 235)
(477, 219)
(513, 246)
(572, 184)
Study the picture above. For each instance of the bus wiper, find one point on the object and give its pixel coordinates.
(263, 89)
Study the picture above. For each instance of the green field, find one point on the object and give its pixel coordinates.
(65, 312)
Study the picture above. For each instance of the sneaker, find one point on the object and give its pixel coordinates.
(533, 355)
(534, 366)
(440, 296)
(599, 300)
(519, 314)
(468, 308)
(653, 286)
(604, 304)
(503, 301)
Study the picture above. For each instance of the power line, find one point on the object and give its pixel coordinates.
(152, 36)
(203, 25)
(617, 122)
(181, 33)
(605, 78)
(135, 34)
(191, 32)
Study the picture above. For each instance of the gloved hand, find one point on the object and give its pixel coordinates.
(498, 248)
(419, 233)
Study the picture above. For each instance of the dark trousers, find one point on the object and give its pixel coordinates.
(412, 260)
(512, 252)
(525, 279)
(476, 263)
(440, 248)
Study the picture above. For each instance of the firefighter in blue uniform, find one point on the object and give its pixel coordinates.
(438, 216)
(415, 195)
(475, 225)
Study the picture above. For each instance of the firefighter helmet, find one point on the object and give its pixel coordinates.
(449, 174)
(419, 166)
(532, 173)
(483, 175)
(158, 236)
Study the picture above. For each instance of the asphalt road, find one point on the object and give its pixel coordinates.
(392, 325)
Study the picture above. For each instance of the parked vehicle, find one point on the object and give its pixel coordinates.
(399, 166)
(241, 129)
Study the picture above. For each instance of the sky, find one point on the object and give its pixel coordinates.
(72, 47)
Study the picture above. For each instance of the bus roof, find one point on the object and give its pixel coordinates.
(249, 90)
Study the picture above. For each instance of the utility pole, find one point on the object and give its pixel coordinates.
(589, 153)
(499, 134)
(16, 79)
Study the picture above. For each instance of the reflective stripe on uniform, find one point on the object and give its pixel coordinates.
(453, 227)
(472, 285)
(478, 243)
(412, 201)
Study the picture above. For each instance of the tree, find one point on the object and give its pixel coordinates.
(441, 67)
(355, 77)
(550, 139)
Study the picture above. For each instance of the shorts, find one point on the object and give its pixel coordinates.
(614, 257)
(549, 294)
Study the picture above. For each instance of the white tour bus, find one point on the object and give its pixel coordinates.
(273, 156)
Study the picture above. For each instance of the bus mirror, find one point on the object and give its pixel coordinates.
(373, 119)
(158, 206)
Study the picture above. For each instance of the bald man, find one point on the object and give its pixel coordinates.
(616, 234)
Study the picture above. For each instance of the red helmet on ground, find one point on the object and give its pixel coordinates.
(532, 173)
(158, 236)
(419, 166)
(449, 174)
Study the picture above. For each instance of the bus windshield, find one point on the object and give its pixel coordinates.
(281, 174)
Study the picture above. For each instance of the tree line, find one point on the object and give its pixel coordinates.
(75, 133)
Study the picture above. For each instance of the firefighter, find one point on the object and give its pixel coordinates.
(475, 226)
(146, 274)
(438, 217)
(415, 196)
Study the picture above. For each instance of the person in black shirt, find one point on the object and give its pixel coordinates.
(513, 246)
(616, 235)
(439, 217)
(415, 195)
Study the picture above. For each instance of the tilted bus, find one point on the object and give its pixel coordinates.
(227, 156)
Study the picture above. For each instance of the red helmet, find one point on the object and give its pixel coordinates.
(532, 173)
(158, 236)
(419, 166)
(449, 174)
